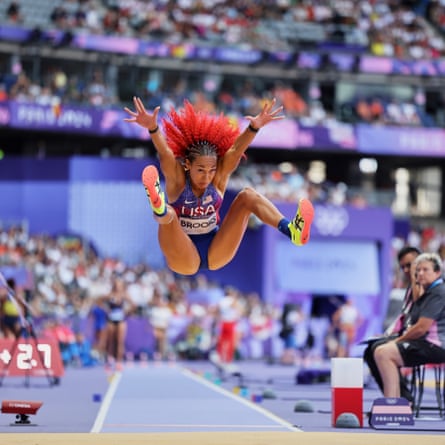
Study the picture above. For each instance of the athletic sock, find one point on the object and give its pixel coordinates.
(283, 227)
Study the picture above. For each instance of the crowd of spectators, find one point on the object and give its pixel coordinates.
(394, 28)
(285, 182)
(63, 281)
(390, 111)
(435, 13)
(57, 87)
(241, 97)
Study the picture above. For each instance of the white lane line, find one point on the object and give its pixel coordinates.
(185, 425)
(239, 399)
(103, 411)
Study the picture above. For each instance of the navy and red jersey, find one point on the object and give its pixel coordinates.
(198, 216)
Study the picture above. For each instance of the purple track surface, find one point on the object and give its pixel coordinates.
(185, 397)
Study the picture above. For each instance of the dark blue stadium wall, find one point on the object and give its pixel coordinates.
(35, 191)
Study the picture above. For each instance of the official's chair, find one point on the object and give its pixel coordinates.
(418, 386)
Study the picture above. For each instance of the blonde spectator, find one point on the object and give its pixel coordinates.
(160, 315)
(345, 322)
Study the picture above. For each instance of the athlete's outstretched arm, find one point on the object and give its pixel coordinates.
(141, 116)
(267, 114)
(231, 159)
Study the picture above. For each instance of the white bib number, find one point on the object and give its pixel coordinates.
(198, 226)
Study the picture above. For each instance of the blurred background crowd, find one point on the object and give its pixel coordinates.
(69, 288)
(69, 292)
(401, 29)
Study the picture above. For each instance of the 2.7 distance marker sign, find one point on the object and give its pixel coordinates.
(27, 357)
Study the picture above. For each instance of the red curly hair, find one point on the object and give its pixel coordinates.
(188, 131)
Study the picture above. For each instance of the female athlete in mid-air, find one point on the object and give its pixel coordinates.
(197, 155)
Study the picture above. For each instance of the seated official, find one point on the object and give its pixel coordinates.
(399, 325)
(424, 339)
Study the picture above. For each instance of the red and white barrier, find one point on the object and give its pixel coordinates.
(347, 387)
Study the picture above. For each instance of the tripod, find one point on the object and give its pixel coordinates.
(25, 350)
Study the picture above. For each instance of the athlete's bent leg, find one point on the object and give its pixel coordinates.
(247, 202)
(179, 251)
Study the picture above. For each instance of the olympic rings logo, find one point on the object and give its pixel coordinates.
(331, 220)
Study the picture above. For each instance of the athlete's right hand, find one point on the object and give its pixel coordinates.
(141, 116)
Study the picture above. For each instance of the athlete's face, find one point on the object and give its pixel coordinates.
(202, 171)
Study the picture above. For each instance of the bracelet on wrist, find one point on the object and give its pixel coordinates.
(252, 128)
(154, 130)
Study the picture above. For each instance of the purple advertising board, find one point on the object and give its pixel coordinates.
(348, 254)
(69, 119)
(285, 134)
(14, 33)
(374, 64)
(337, 136)
(389, 65)
(401, 141)
(123, 45)
(342, 61)
(293, 135)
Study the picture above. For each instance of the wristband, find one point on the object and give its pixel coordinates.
(154, 130)
(251, 128)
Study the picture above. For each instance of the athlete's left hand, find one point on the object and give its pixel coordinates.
(267, 114)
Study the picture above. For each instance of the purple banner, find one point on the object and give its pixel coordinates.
(285, 134)
(158, 49)
(401, 140)
(37, 117)
(388, 65)
(277, 134)
(309, 60)
(4, 114)
(69, 119)
(338, 136)
(234, 55)
(290, 134)
(14, 33)
(374, 64)
(123, 45)
(154, 49)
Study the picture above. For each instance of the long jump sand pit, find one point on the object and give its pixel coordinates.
(221, 438)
